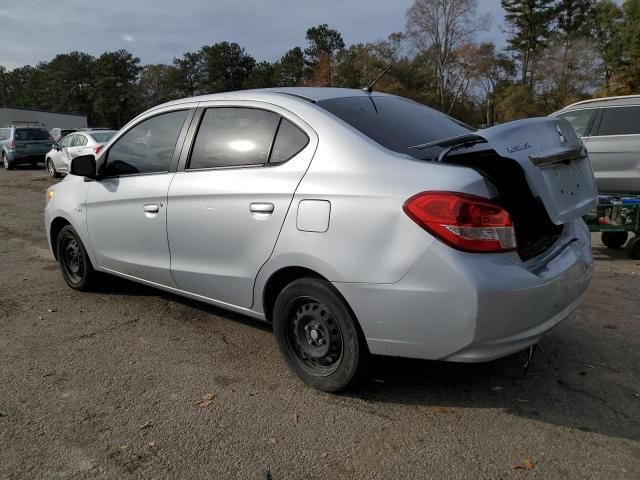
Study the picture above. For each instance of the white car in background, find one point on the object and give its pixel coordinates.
(88, 142)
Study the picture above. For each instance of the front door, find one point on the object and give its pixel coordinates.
(226, 208)
(127, 207)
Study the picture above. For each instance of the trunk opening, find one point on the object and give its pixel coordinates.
(535, 232)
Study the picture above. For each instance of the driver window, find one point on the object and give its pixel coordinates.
(148, 147)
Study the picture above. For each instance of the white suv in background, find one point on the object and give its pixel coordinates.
(610, 129)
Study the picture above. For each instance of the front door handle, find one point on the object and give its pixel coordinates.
(151, 208)
(264, 208)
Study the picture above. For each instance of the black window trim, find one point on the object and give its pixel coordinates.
(190, 109)
(596, 131)
(197, 121)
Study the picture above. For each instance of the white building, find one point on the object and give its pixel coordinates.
(49, 120)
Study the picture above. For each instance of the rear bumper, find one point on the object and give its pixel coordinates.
(466, 307)
(20, 157)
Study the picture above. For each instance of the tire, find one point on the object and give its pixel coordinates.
(614, 240)
(51, 168)
(318, 335)
(8, 164)
(633, 248)
(73, 259)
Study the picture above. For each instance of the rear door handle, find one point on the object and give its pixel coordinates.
(151, 208)
(265, 208)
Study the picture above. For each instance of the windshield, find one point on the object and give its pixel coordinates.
(31, 134)
(102, 137)
(394, 122)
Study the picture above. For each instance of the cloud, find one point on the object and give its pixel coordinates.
(127, 38)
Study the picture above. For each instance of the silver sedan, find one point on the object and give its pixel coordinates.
(74, 145)
(356, 223)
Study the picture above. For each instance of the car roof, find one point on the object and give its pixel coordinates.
(309, 94)
(605, 102)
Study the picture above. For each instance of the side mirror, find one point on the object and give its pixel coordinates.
(56, 147)
(84, 166)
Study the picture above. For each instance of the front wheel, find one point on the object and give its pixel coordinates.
(318, 335)
(74, 261)
(51, 168)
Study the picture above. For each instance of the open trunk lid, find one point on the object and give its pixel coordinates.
(553, 160)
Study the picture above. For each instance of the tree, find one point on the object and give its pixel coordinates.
(290, 68)
(441, 27)
(225, 66)
(629, 75)
(574, 18)
(606, 33)
(190, 73)
(530, 26)
(113, 92)
(69, 81)
(263, 75)
(158, 84)
(324, 42)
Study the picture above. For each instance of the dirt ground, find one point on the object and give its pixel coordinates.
(105, 385)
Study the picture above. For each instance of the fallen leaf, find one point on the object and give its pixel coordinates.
(206, 400)
(123, 447)
(273, 440)
(324, 455)
(497, 389)
(40, 317)
(52, 310)
(152, 444)
(610, 326)
(442, 410)
(526, 465)
(296, 418)
(146, 425)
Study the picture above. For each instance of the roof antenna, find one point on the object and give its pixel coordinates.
(369, 88)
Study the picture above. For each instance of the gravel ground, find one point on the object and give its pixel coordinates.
(106, 385)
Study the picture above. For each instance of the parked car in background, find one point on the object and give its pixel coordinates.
(74, 145)
(610, 129)
(23, 145)
(355, 222)
(58, 134)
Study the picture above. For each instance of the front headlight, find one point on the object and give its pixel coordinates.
(49, 195)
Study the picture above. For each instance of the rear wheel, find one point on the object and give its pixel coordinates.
(614, 240)
(51, 168)
(6, 162)
(633, 248)
(74, 261)
(318, 335)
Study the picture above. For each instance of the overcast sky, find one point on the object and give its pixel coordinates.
(159, 30)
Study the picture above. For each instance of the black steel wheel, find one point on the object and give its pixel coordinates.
(74, 261)
(318, 335)
(614, 240)
(633, 248)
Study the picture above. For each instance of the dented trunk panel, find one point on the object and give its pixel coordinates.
(554, 161)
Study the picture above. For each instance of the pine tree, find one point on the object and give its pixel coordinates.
(530, 24)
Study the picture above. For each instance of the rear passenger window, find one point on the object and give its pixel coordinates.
(231, 137)
(620, 121)
(289, 141)
(148, 147)
(79, 141)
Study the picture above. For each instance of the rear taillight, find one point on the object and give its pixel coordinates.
(97, 149)
(465, 222)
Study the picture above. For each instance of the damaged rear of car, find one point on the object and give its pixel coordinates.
(511, 256)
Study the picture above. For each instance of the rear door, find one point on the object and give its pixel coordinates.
(614, 149)
(231, 194)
